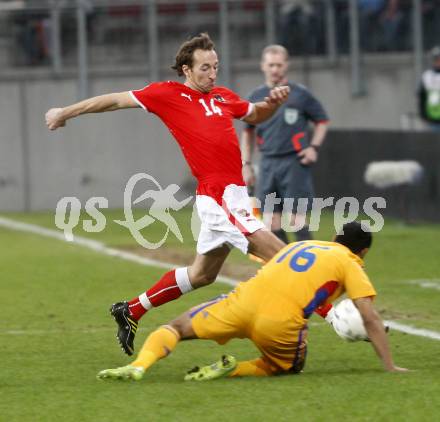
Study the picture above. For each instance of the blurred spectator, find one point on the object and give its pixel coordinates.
(32, 28)
(302, 27)
(429, 92)
(369, 23)
(383, 24)
(370, 30)
(431, 22)
(391, 22)
(342, 25)
(33, 33)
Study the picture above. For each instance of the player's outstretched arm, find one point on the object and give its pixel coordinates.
(57, 117)
(376, 333)
(265, 109)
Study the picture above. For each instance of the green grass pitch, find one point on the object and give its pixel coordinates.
(56, 334)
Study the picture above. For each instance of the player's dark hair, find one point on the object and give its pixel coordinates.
(185, 55)
(354, 236)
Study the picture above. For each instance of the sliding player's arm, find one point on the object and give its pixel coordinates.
(265, 109)
(376, 333)
(57, 117)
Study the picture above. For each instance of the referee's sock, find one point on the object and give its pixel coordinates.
(281, 234)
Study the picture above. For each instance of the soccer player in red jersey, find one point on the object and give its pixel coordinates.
(200, 117)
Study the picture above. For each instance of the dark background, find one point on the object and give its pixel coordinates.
(346, 154)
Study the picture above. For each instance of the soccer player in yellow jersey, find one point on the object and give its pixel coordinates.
(272, 309)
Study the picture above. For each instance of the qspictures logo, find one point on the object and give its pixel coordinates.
(68, 211)
(161, 202)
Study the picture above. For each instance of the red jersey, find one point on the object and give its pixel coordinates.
(202, 124)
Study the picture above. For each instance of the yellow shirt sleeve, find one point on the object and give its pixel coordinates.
(357, 283)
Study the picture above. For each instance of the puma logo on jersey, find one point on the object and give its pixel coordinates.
(186, 96)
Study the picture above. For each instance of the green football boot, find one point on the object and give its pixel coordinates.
(128, 372)
(218, 369)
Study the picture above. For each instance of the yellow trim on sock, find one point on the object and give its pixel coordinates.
(173, 330)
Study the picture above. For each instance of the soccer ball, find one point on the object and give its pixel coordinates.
(347, 321)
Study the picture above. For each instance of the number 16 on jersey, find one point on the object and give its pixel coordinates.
(302, 259)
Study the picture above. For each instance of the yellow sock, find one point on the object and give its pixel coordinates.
(256, 368)
(159, 344)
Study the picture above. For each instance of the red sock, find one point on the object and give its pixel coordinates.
(171, 286)
(136, 309)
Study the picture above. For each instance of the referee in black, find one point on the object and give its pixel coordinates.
(288, 148)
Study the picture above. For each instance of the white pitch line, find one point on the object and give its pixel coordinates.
(421, 332)
(97, 330)
(128, 256)
(57, 332)
(433, 283)
(96, 246)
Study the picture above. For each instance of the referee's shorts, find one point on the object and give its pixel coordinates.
(284, 177)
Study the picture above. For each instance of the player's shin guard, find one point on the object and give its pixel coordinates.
(159, 344)
(171, 286)
(256, 368)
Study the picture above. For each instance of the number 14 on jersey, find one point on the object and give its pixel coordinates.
(210, 109)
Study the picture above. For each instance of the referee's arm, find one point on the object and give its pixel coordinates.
(309, 155)
(319, 133)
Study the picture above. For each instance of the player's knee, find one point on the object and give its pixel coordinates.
(210, 278)
(265, 244)
(183, 326)
(177, 326)
(203, 279)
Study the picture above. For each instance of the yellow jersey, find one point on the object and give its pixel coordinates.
(302, 277)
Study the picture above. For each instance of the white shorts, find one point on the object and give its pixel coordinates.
(228, 224)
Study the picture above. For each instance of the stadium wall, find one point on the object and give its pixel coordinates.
(96, 155)
(93, 156)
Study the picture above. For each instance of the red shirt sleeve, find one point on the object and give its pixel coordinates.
(150, 97)
(240, 108)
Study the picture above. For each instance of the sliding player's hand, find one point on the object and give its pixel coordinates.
(54, 118)
(278, 95)
(395, 368)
